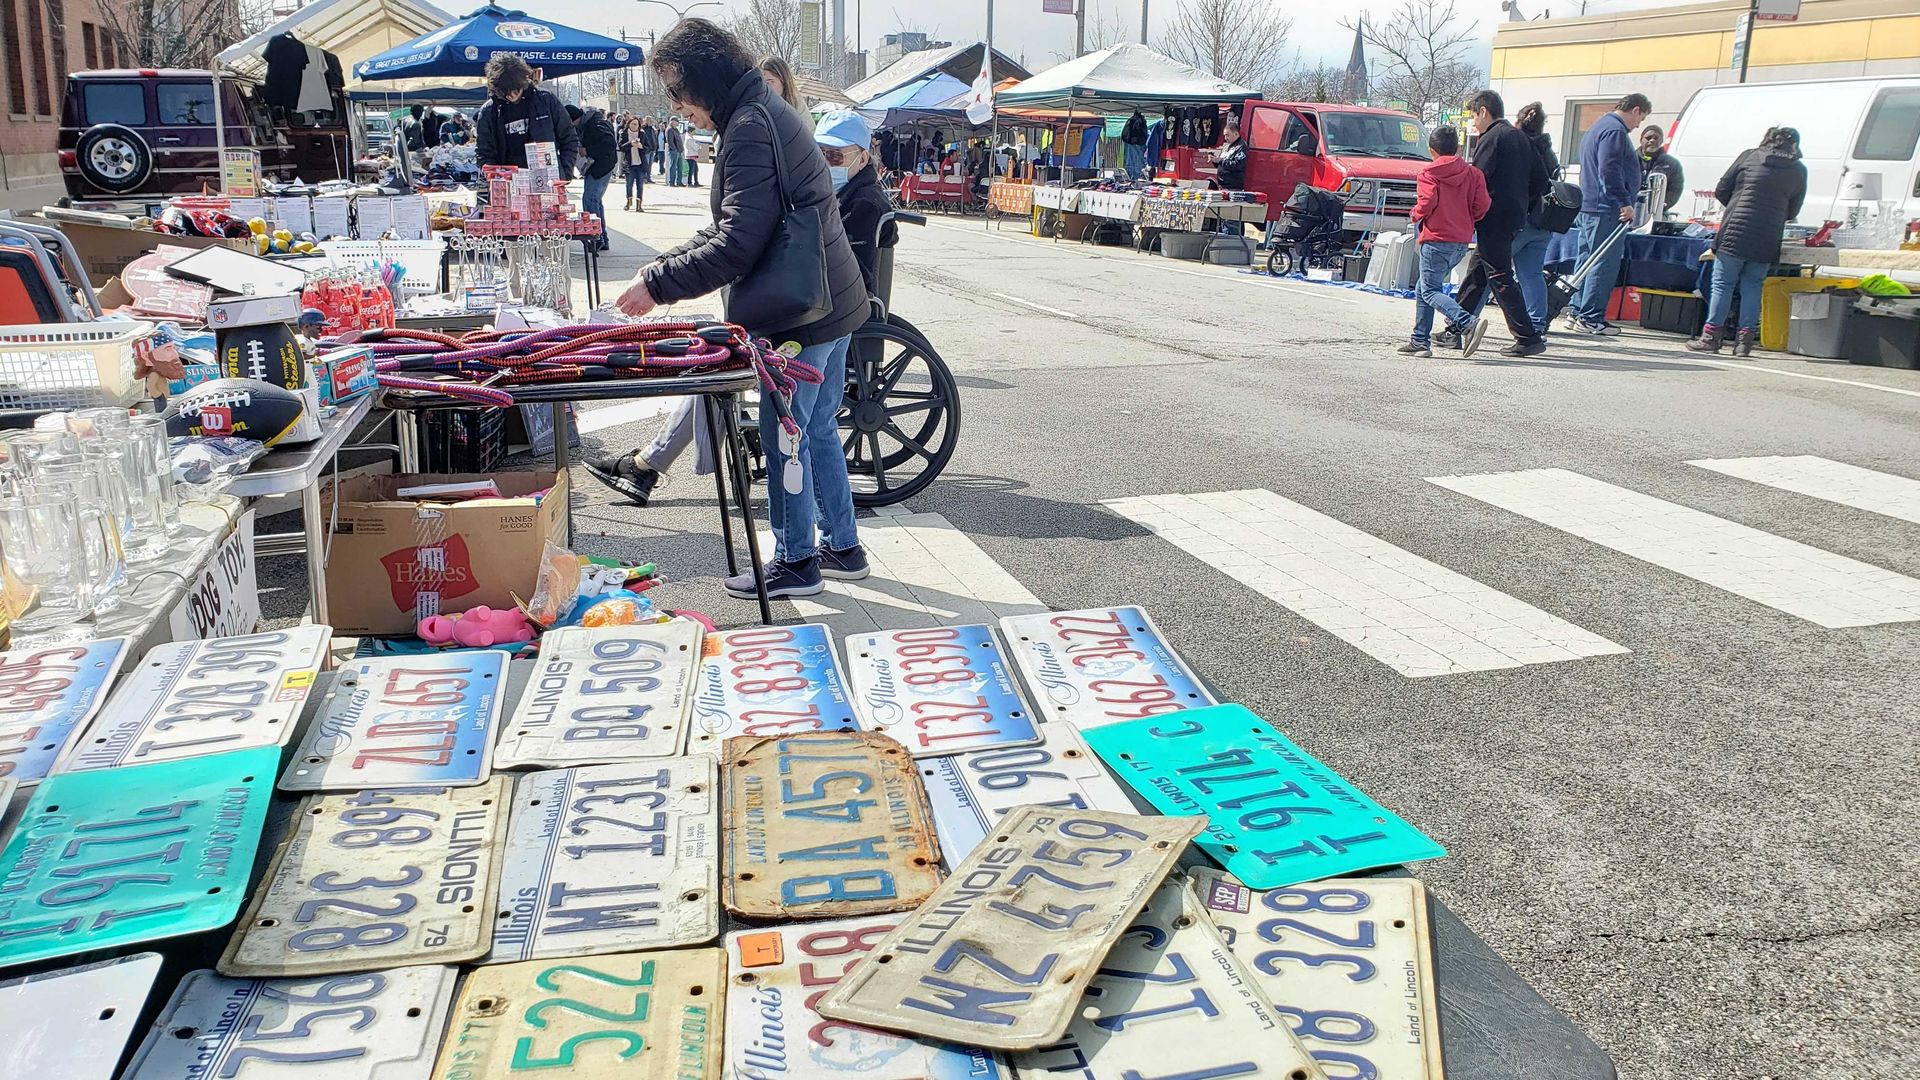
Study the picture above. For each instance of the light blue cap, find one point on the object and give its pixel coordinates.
(843, 127)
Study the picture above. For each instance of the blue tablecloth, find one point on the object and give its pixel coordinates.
(1652, 262)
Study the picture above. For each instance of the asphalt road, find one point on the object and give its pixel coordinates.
(1699, 848)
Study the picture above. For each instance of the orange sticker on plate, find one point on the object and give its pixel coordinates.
(760, 950)
(710, 645)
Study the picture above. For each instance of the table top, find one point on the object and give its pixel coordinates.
(728, 382)
(295, 468)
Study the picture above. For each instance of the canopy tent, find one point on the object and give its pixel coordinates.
(352, 30)
(927, 99)
(464, 46)
(417, 92)
(960, 61)
(820, 95)
(1118, 80)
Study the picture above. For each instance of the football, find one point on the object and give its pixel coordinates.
(242, 408)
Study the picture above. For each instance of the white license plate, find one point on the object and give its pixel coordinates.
(619, 1017)
(403, 721)
(610, 858)
(1171, 1000)
(769, 680)
(378, 1025)
(1348, 961)
(376, 879)
(73, 1024)
(772, 1028)
(47, 696)
(938, 689)
(193, 698)
(970, 793)
(603, 694)
(1088, 668)
(999, 955)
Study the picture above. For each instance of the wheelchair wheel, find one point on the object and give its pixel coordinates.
(1280, 261)
(901, 417)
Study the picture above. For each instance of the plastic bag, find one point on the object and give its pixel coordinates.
(199, 459)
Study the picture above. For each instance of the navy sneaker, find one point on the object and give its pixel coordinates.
(784, 579)
(848, 565)
(624, 475)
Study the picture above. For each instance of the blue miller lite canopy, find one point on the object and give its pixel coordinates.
(464, 46)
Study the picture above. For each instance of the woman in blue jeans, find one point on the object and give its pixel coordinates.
(1762, 191)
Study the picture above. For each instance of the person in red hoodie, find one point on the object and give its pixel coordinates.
(1453, 195)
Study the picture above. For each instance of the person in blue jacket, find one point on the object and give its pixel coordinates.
(1609, 185)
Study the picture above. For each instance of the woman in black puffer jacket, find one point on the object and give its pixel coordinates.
(1762, 191)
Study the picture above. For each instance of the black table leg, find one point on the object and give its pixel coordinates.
(720, 467)
(743, 495)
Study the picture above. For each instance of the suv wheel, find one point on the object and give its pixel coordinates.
(114, 158)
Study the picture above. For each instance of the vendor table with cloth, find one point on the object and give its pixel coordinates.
(1650, 262)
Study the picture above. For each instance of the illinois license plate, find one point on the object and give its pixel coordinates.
(610, 693)
(74, 1023)
(48, 695)
(779, 975)
(193, 698)
(101, 860)
(379, 1025)
(610, 858)
(402, 721)
(1348, 961)
(769, 680)
(655, 1014)
(999, 955)
(1171, 974)
(1089, 668)
(970, 793)
(377, 879)
(825, 824)
(1275, 814)
(939, 689)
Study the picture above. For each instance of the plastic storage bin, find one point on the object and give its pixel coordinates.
(69, 365)
(1817, 324)
(1185, 245)
(1672, 312)
(1885, 331)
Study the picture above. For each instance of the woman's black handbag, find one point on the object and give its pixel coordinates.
(1559, 209)
(788, 288)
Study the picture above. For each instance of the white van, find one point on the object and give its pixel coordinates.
(1850, 129)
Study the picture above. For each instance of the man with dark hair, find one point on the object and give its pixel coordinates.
(517, 113)
(1609, 183)
(411, 139)
(601, 149)
(1516, 181)
(1655, 161)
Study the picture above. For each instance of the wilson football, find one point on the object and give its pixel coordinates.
(242, 408)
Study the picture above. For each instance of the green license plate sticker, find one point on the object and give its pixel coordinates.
(115, 857)
(1276, 816)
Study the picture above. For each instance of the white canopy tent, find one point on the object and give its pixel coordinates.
(1118, 80)
(351, 30)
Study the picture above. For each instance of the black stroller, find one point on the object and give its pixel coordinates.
(1310, 233)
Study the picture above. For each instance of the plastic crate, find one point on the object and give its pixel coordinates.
(69, 365)
(1885, 331)
(463, 440)
(1672, 312)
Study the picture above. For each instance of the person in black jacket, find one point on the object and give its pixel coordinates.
(1529, 244)
(636, 158)
(601, 149)
(1516, 182)
(1762, 191)
(767, 160)
(517, 113)
(1655, 161)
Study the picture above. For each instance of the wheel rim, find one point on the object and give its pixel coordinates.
(113, 158)
(901, 418)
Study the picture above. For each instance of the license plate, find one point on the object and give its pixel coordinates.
(1276, 815)
(610, 693)
(939, 690)
(1171, 999)
(825, 824)
(970, 793)
(101, 860)
(610, 858)
(193, 698)
(403, 721)
(770, 680)
(1100, 666)
(73, 1024)
(1348, 961)
(377, 879)
(379, 1025)
(655, 1014)
(1000, 954)
(48, 695)
(772, 1029)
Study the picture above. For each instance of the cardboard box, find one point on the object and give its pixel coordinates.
(253, 311)
(395, 561)
(105, 252)
(343, 374)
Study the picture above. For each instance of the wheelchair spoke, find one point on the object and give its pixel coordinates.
(879, 468)
(911, 444)
(919, 406)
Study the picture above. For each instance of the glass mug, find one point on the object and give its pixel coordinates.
(40, 534)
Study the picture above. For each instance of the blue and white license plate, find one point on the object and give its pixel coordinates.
(73, 1024)
(377, 1025)
(970, 793)
(46, 697)
(768, 680)
(404, 720)
(192, 698)
(938, 689)
(106, 859)
(375, 880)
(1089, 668)
(604, 694)
(1275, 814)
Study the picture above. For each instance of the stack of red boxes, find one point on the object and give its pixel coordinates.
(529, 201)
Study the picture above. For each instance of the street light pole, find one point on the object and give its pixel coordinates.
(681, 12)
(1143, 22)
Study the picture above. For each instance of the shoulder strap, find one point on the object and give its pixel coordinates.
(779, 159)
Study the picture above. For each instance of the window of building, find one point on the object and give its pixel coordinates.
(1892, 127)
(115, 103)
(1581, 115)
(35, 60)
(16, 57)
(89, 46)
(184, 103)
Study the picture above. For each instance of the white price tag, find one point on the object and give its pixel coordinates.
(223, 599)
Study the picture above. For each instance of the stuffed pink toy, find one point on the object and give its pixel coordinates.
(477, 628)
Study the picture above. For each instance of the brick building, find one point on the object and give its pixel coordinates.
(43, 41)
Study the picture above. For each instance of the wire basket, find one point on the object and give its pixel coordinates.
(69, 366)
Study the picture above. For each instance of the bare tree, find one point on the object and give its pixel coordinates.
(1311, 82)
(1104, 28)
(1238, 40)
(1421, 49)
(178, 33)
(770, 28)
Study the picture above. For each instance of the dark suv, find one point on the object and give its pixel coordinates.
(130, 138)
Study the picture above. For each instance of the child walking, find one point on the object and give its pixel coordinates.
(1452, 196)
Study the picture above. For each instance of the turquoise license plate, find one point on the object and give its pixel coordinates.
(115, 857)
(1276, 816)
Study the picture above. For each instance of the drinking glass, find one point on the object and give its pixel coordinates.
(103, 422)
(53, 421)
(144, 529)
(148, 433)
(92, 481)
(29, 446)
(41, 535)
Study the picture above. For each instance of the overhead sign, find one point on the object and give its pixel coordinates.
(1742, 34)
(1056, 7)
(1776, 10)
(810, 12)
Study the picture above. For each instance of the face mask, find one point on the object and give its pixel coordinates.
(839, 174)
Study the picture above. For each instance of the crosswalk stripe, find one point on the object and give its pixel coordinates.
(1416, 617)
(1806, 582)
(1833, 481)
(589, 420)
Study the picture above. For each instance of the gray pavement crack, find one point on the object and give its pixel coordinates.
(1899, 920)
